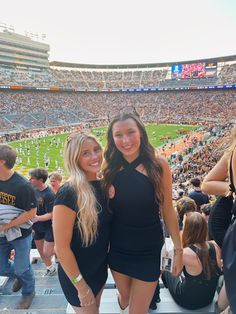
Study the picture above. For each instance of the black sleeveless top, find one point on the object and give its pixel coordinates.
(198, 291)
(136, 236)
(92, 260)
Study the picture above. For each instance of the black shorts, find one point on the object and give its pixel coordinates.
(47, 235)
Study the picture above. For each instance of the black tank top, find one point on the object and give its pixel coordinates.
(198, 291)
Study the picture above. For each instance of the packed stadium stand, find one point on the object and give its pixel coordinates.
(35, 94)
(22, 110)
(104, 80)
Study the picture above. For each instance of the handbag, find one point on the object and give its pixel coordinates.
(221, 213)
(167, 255)
(167, 251)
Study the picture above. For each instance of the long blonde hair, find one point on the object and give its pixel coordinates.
(86, 200)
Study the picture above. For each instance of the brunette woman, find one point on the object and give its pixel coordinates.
(138, 183)
(201, 258)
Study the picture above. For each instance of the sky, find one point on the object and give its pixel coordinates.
(127, 31)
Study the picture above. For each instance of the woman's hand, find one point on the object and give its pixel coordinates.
(178, 263)
(35, 219)
(86, 296)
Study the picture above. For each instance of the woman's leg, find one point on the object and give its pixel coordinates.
(141, 293)
(123, 284)
(98, 297)
(222, 301)
(92, 309)
(40, 247)
(174, 285)
(48, 249)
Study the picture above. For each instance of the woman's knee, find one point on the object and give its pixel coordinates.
(47, 253)
(92, 309)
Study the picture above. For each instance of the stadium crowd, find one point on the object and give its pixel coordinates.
(200, 161)
(108, 79)
(23, 110)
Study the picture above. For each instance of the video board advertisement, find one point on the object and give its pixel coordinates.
(211, 69)
(193, 70)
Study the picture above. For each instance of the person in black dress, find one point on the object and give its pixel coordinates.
(202, 262)
(81, 224)
(138, 183)
(216, 182)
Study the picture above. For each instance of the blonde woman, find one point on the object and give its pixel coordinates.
(81, 225)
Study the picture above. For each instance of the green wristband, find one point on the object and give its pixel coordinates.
(77, 279)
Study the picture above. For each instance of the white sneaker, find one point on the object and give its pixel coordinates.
(51, 271)
(122, 311)
(125, 311)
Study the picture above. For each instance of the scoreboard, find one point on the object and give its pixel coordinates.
(193, 70)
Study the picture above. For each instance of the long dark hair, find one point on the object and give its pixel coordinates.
(195, 232)
(113, 157)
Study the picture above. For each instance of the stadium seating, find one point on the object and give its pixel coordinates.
(28, 110)
(78, 79)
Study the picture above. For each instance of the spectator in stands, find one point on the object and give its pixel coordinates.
(216, 183)
(55, 179)
(138, 183)
(81, 224)
(184, 206)
(201, 266)
(197, 195)
(43, 234)
(66, 108)
(206, 209)
(17, 200)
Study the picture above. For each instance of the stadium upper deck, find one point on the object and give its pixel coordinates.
(24, 65)
(75, 93)
(141, 79)
(22, 52)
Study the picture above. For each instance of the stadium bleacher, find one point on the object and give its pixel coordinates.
(50, 298)
(22, 110)
(104, 79)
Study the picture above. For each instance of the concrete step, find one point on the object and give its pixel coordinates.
(34, 255)
(167, 305)
(3, 281)
(29, 311)
(49, 298)
(54, 302)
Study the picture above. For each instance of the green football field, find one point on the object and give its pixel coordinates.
(48, 151)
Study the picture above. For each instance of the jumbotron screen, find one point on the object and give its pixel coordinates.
(193, 70)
